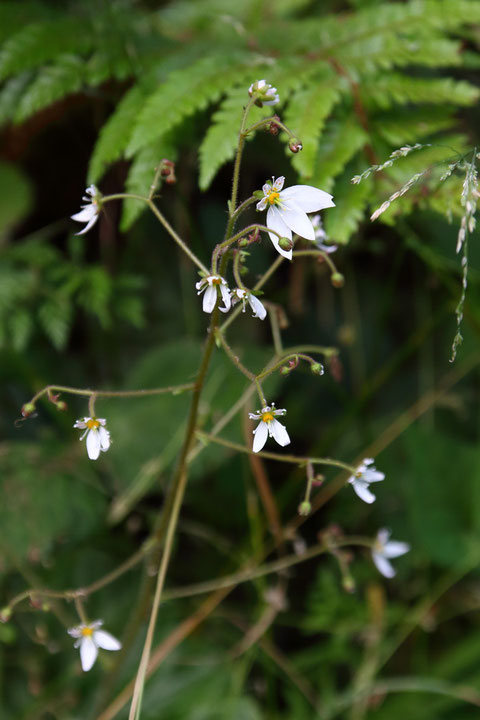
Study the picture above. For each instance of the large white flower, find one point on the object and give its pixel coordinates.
(384, 548)
(287, 210)
(366, 474)
(266, 93)
(89, 212)
(214, 287)
(258, 308)
(98, 437)
(268, 426)
(89, 639)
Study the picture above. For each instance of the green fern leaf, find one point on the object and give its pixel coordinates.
(185, 92)
(10, 95)
(221, 138)
(55, 318)
(20, 328)
(343, 220)
(388, 89)
(42, 42)
(306, 114)
(409, 126)
(51, 84)
(115, 134)
(141, 176)
(16, 15)
(339, 143)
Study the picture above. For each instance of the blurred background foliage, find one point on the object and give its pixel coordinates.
(100, 91)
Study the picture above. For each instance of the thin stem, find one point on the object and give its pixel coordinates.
(236, 167)
(175, 389)
(221, 247)
(294, 459)
(317, 253)
(80, 611)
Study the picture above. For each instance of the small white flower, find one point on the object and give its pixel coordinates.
(89, 639)
(268, 426)
(89, 212)
(98, 437)
(321, 236)
(366, 474)
(267, 94)
(384, 549)
(213, 285)
(287, 210)
(258, 308)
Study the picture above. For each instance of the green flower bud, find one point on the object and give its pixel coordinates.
(305, 508)
(337, 280)
(5, 614)
(28, 409)
(285, 243)
(317, 369)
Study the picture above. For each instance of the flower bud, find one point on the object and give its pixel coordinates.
(5, 614)
(348, 583)
(285, 370)
(317, 368)
(61, 405)
(243, 242)
(305, 508)
(337, 280)
(28, 409)
(295, 145)
(285, 243)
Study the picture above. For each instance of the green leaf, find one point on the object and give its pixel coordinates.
(350, 200)
(140, 178)
(306, 114)
(55, 318)
(15, 199)
(340, 142)
(387, 89)
(52, 83)
(10, 95)
(115, 134)
(185, 92)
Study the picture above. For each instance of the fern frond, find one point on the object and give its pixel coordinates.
(342, 139)
(409, 126)
(306, 114)
(141, 176)
(39, 43)
(10, 95)
(115, 134)
(185, 92)
(387, 89)
(54, 316)
(51, 84)
(350, 200)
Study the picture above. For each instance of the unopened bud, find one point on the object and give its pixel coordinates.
(285, 243)
(28, 409)
(5, 614)
(337, 280)
(243, 242)
(273, 127)
(305, 508)
(46, 607)
(285, 370)
(317, 368)
(61, 405)
(348, 584)
(295, 145)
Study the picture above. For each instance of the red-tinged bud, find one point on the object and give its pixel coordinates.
(285, 243)
(62, 406)
(5, 614)
(28, 409)
(295, 145)
(337, 280)
(273, 127)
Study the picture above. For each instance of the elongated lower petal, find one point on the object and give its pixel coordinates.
(257, 307)
(275, 222)
(210, 298)
(106, 641)
(260, 435)
(279, 432)
(104, 437)
(227, 301)
(93, 444)
(363, 492)
(383, 566)
(394, 548)
(297, 220)
(88, 653)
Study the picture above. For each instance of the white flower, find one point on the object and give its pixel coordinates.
(89, 212)
(212, 285)
(366, 474)
(268, 426)
(287, 210)
(258, 308)
(98, 437)
(267, 94)
(89, 639)
(321, 236)
(384, 549)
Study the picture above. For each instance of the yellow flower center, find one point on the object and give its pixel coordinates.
(216, 281)
(267, 417)
(93, 424)
(272, 197)
(87, 631)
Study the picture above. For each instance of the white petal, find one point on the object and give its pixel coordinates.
(278, 184)
(227, 301)
(257, 307)
(88, 653)
(309, 198)
(363, 492)
(275, 222)
(209, 299)
(383, 536)
(106, 641)
(86, 214)
(75, 632)
(278, 432)
(383, 565)
(104, 437)
(373, 476)
(93, 444)
(254, 416)
(394, 549)
(88, 226)
(266, 189)
(297, 220)
(260, 436)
